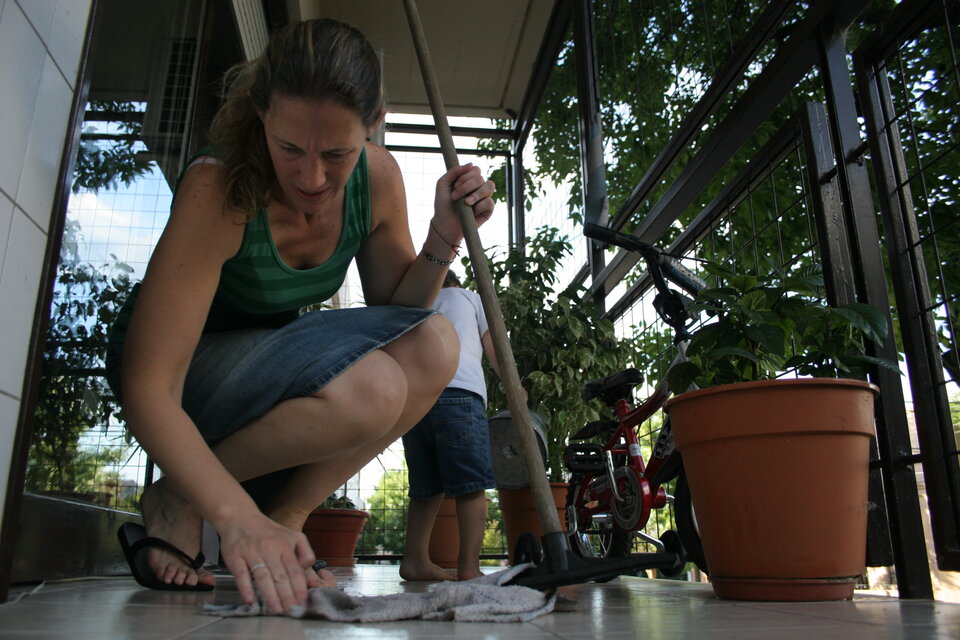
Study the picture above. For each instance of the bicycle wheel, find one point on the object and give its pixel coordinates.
(597, 536)
(686, 519)
(528, 549)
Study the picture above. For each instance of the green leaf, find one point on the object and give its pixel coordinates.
(743, 282)
(865, 317)
(805, 280)
(754, 300)
(769, 337)
(867, 361)
(681, 376)
(723, 352)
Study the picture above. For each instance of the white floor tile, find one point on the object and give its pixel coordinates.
(622, 609)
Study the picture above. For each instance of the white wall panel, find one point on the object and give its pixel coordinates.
(41, 161)
(19, 283)
(40, 46)
(21, 66)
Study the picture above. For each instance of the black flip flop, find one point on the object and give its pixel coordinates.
(134, 539)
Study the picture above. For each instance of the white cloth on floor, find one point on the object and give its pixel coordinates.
(483, 599)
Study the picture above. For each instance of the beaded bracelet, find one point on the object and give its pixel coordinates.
(435, 260)
(455, 247)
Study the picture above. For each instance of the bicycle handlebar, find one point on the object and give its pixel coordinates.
(668, 266)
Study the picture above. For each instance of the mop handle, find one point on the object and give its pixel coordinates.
(543, 498)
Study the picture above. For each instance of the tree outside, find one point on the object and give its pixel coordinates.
(74, 398)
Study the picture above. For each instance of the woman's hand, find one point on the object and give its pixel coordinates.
(464, 182)
(275, 558)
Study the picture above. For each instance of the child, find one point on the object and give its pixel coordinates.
(448, 451)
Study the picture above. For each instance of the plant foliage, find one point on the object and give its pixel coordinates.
(559, 341)
(73, 396)
(767, 326)
(337, 502)
(104, 162)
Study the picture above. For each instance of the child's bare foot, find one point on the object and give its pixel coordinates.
(427, 571)
(169, 517)
(468, 573)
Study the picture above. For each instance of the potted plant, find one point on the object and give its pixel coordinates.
(559, 342)
(333, 530)
(778, 467)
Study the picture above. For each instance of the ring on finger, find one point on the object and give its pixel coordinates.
(257, 566)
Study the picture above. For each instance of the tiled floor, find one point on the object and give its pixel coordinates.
(617, 610)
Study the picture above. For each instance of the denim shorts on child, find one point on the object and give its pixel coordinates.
(448, 451)
(236, 376)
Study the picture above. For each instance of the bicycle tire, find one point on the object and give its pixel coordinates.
(683, 513)
(607, 541)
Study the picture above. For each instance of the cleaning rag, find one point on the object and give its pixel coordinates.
(484, 599)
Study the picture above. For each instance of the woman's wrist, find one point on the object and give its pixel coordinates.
(437, 252)
(439, 249)
(451, 239)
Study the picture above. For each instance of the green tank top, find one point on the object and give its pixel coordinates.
(257, 289)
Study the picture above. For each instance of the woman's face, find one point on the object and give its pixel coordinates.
(314, 146)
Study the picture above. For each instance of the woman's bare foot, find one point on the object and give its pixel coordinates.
(169, 517)
(416, 570)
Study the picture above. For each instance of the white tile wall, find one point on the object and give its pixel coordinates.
(19, 283)
(40, 14)
(6, 219)
(40, 47)
(21, 66)
(41, 161)
(66, 36)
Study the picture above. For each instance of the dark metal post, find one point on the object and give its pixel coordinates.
(834, 242)
(832, 236)
(893, 437)
(595, 202)
(518, 207)
(917, 326)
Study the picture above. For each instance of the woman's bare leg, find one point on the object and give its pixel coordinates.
(327, 436)
(426, 362)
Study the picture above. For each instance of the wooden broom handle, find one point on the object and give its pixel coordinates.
(543, 497)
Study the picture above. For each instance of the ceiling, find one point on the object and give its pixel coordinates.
(483, 51)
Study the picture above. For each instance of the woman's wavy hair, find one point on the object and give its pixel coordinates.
(314, 59)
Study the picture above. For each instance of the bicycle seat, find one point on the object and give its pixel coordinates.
(595, 428)
(612, 388)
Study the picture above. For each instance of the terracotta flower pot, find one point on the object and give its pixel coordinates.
(334, 533)
(520, 512)
(778, 477)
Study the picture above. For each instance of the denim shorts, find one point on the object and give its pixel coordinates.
(448, 451)
(236, 376)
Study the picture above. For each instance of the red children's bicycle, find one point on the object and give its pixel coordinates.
(613, 489)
